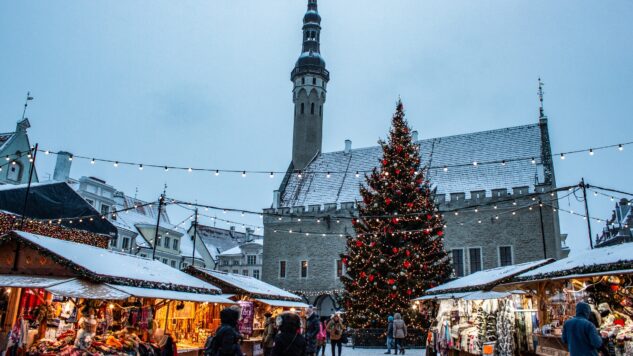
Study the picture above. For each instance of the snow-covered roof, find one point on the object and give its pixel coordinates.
(502, 144)
(599, 260)
(101, 265)
(5, 138)
(444, 296)
(18, 281)
(218, 240)
(79, 288)
(172, 295)
(484, 280)
(237, 250)
(283, 303)
(234, 283)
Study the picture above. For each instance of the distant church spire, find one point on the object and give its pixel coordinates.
(540, 99)
(309, 78)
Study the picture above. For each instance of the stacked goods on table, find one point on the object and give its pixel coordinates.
(118, 343)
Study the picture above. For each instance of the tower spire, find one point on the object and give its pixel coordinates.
(540, 99)
(309, 78)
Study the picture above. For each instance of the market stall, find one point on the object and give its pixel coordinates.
(602, 277)
(63, 297)
(468, 318)
(255, 298)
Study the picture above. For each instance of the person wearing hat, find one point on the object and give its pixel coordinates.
(311, 331)
(289, 341)
(270, 331)
(336, 328)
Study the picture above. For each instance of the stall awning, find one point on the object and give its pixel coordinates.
(445, 296)
(283, 303)
(481, 295)
(171, 295)
(16, 281)
(77, 288)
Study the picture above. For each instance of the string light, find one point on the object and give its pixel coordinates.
(189, 170)
(217, 172)
(328, 175)
(503, 163)
(140, 167)
(116, 163)
(272, 175)
(591, 151)
(533, 160)
(562, 156)
(243, 174)
(620, 147)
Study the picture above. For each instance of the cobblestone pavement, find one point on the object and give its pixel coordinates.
(348, 351)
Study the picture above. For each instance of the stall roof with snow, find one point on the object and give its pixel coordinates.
(485, 280)
(239, 284)
(606, 260)
(97, 265)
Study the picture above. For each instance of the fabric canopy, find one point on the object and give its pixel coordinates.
(172, 295)
(283, 303)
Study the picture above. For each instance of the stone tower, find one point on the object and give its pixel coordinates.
(309, 78)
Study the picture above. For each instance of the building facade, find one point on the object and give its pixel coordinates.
(14, 155)
(619, 228)
(492, 211)
(245, 259)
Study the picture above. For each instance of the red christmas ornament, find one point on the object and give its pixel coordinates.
(359, 243)
(384, 162)
(344, 260)
(410, 205)
(395, 250)
(419, 181)
(408, 253)
(615, 287)
(372, 244)
(371, 277)
(392, 295)
(406, 264)
(387, 201)
(391, 281)
(409, 291)
(398, 148)
(394, 220)
(353, 221)
(429, 216)
(363, 275)
(397, 171)
(440, 233)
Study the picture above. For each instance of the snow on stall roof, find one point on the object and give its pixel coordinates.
(78, 288)
(19, 281)
(115, 264)
(501, 144)
(444, 296)
(248, 284)
(481, 279)
(171, 295)
(283, 303)
(602, 258)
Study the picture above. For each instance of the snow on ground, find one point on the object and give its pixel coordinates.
(348, 351)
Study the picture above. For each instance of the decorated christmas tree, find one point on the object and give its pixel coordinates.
(398, 251)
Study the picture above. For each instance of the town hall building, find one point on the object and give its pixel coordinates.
(497, 213)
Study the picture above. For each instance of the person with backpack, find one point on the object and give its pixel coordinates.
(336, 328)
(226, 340)
(270, 331)
(321, 338)
(289, 341)
(311, 331)
(399, 332)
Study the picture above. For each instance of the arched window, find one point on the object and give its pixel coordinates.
(321, 110)
(302, 108)
(312, 108)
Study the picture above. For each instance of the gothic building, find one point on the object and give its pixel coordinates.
(491, 210)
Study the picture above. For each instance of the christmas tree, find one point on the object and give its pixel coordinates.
(398, 251)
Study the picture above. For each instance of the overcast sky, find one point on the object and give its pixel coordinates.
(206, 83)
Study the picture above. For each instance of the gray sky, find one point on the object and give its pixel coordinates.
(206, 83)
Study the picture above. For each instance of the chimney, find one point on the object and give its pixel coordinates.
(276, 199)
(62, 166)
(119, 199)
(348, 146)
(414, 136)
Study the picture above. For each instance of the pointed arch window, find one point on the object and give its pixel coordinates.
(321, 110)
(312, 109)
(302, 108)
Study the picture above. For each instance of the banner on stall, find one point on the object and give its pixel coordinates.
(248, 315)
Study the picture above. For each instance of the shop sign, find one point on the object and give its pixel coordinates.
(248, 315)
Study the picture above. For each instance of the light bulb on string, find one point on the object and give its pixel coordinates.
(70, 158)
(166, 169)
(620, 147)
(591, 151)
(243, 174)
(475, 163)
(357, 174)
(533, 160)
(328, 175)
(562, 156)
(47, 152)
(217, 172)
(503, 163)
(272, 175)
(190, 170)
(116, 164)
(140, 167)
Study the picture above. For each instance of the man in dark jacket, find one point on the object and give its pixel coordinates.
(580, 335)
(225, 342)
(389, 335)
(312, 329)
(289, 341)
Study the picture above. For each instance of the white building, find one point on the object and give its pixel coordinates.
(245, 259)
(14, 159)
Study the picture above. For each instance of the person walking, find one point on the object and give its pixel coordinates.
(336, 328)
(311, 331)
(270, 331)
(289, 341)
(226, 340)
(580, 334)
(321, 338)
(389, 335)
(399, 332)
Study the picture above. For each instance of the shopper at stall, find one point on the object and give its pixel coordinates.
(165, 342)
(389, 335)
(311, 331)
(580, 335)
(225, 342)
(270, 331)
(289, 341)
(321, 338)
(399, 332)
(336, 328)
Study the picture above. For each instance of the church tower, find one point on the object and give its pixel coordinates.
(309, 78)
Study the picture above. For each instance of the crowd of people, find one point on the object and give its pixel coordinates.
(286, 335)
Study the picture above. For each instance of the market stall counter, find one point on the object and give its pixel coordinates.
(255, 299)
(601, 277)
(65, 298)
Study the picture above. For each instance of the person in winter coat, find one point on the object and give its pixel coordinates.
(399, 332)
(580, 334)
(336, 328)
(311, 331)
(289, 341)
(321, 338)
(389, 335)
(226, 340)
(270, 331)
